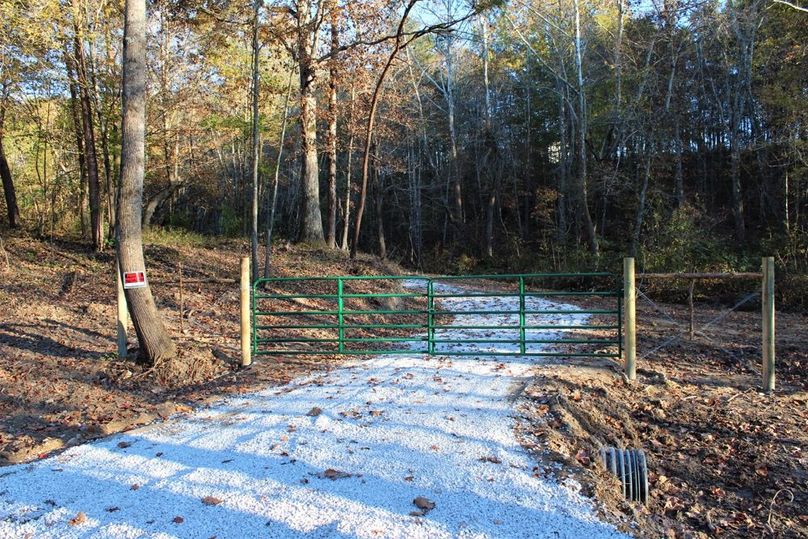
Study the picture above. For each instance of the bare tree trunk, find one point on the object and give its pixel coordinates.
(12, 210)
(618, 62)
(77, 128)
(641, 202)
(274, 202)
(457, 188)
(103, 124)
(311, 219)
(561, 203)
(679, 173)
(737, 193)
(90, 155)
(380, 213)
(331, 228)
(256, 147)
(155, 343)
(583, 197)
(348, 173)
(414, 191)
(488, 137)
(156, 201)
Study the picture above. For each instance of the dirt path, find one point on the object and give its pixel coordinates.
(403, 446)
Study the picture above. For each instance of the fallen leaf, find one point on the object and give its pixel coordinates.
(178, 520)
(314, 412)
(492, 459)
(424, 504)
(124, 445)
(582, 456)
(333, 474)
(134, 486)
(210, 500)
(80, 518)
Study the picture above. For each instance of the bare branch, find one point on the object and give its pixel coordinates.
(792, 6)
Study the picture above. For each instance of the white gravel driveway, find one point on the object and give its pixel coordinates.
(342, 454)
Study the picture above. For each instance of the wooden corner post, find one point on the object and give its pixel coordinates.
(123, 315)
(246, 358)
(629, 319)
(768, 323)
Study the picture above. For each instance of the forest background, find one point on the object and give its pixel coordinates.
(516, 136)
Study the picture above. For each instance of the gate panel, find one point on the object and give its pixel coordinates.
(511, 315)
(356, 318)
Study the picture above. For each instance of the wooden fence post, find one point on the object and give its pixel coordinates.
(768, 323)
(246, 359)
(629, 322)
(123, 315)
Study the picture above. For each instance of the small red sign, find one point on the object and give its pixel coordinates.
(134, 279)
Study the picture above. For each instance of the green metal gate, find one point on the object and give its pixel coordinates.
(520, 315)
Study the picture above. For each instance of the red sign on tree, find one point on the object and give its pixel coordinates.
(134, 279)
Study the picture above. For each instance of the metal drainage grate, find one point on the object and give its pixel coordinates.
(630, 466)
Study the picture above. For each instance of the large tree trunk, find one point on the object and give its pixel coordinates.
(12, 210)
(331, 228)
(90, 154)
(155, 343)
(311, 220)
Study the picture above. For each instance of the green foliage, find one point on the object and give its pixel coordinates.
(231, 222)
(685, 240)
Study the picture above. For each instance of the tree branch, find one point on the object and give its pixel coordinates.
(792, 6)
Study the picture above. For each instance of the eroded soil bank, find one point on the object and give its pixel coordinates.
(725, 459)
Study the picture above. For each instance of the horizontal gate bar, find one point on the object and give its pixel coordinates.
(437, 352)
(587, 327)
(344, 278)
(334, 296)
(334, 313)
(349, 326)
(518, 275)
(528, 294)
(460, 313)
(437, 279)
(528, 341)
(345, 339)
